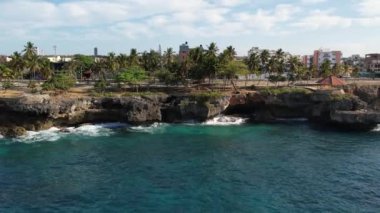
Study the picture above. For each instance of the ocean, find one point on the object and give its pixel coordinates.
(223, 165)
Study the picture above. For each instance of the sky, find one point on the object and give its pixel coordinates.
(297, 26)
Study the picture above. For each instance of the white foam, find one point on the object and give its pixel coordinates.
(223, 120)
(148, 129)
(54, 134)
(377, 129)
(49, 135)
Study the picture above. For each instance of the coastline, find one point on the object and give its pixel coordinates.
(354, 108)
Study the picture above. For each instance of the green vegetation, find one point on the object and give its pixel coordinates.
(7, 85)
(62, 81)
(202, 98)
(205, 66)
(132, 76)
(341, 97)
(283, 90)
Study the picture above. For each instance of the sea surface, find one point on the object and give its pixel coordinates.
(222, 165)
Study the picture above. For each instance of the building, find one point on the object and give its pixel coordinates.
(372, 62)
(307, 60)
(354, 61)
(321, 55)
(184, 51)
(95, 51)
(3, 59)
(58, 58)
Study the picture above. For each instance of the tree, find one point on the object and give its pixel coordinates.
(31, 59)
(79, 64)
(132, 76)
(133, 58)
(45, 68)
(297, 70)
(211, 61)
(61, 81)
(150, 61)
(326, 68)
(6, 75)
(17, 64)
(29, 50)
(264, 57)
(122, 60)
(168, 57)
(111, 63)
(34, 65)
(232, 69)
(337, 69)
(253, 63)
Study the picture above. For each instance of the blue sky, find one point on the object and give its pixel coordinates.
(297, 26)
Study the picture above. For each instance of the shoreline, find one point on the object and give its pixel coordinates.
(350, 109)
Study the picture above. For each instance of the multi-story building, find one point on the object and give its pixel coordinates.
(184, 51)
(321, 55)
(307, 60)
(355, 61)
(372, 62)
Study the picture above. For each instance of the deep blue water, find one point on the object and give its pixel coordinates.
(287, 167)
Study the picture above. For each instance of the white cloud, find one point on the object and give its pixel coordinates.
(312, 1)
(369, 7)
(323, 20)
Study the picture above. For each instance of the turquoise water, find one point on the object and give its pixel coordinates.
(288, 167)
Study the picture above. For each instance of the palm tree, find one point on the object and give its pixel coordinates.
(111, 63)
(133, 58)
(211, 61)
(230, 53)
(264, 57)
(253, 64)
(17, 64)
(168, 57)
(34, 65)
(122, 60)
(326, 68)
(45, 68)
(29, 50)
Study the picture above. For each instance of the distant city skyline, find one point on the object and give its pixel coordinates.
(297, 26)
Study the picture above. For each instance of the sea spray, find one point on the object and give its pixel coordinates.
(148, 128)
(376, 129)
(223, 120)
(54, 133)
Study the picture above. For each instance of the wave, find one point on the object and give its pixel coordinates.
(223, 120)
(148, 129)
(54, 134)
(376, 129)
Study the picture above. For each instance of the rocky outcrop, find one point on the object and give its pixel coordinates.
(331, 107)
(188, 108)
(38, 112)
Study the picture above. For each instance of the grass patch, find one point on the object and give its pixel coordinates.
(147, 93)
(341, 97)
(206, 96)
(283, 90)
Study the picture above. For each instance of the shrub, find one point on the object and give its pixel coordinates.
(7, 85)
(61, 81)
(204, 97)
(167, 77)
(101, 86)
(283, 90)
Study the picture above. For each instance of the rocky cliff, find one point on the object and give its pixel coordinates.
(38, 112)
(357, 108)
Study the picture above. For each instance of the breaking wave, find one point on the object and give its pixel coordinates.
(148, 129)
(377, 129)
(223, 120)
(54, 134)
